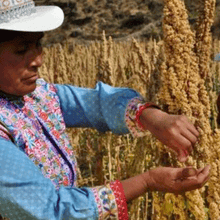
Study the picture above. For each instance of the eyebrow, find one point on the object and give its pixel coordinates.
(25, 41)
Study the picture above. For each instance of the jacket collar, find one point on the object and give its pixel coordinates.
(17, 100)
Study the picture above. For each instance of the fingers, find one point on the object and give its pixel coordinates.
(185, 137)
(192, 128)
(200, 169)
(183, 173)
(189, 132)
(182, 147)
(178, 133)
(190, 139)
(188, 172)
(192, 179)
(182, 155)
(204, 174)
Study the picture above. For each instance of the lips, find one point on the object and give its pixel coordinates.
(30, 79)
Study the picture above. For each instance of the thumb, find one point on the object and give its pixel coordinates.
(188, 172)
(182, 155)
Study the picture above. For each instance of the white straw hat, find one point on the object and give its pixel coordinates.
(23, 15)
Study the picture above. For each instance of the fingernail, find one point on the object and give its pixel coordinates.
(185, 152)
(182, 159)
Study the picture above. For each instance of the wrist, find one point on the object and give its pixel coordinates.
(147, 181)
(142, 109)
(150, 116)
(135, 186)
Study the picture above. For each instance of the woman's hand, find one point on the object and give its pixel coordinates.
(176, 180)
(175, 131)
(165, 179)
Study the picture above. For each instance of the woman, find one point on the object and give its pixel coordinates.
(38, 167)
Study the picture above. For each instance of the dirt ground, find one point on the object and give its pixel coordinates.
(85, 20)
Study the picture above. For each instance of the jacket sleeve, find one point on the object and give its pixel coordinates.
(26, 194)
(102, 108)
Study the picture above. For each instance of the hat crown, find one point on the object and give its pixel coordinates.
(12, 9)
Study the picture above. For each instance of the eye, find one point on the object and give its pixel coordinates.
(22, 50)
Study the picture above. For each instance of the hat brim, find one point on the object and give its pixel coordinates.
(45, 18)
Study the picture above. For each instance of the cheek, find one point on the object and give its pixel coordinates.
(12, 69)
(10, 78)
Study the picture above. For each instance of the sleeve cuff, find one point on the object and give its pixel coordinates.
(120, 200)
(111, 202)
(130, 117)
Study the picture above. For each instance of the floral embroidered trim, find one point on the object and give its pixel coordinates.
(132, 115)
(106, 202)
(120, 200)
(140, 110)
(98, 201)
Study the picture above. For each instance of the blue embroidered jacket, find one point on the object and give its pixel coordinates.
(38, 167)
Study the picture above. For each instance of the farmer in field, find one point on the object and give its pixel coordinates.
(37, 164)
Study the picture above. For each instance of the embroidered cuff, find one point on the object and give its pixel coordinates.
(120, 200)
(132, 115)
(111, 201)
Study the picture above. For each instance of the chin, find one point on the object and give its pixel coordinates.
(26, 89)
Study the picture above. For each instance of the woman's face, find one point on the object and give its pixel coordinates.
(20, 59)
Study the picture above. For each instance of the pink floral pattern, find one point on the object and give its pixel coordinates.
(58, 162)
(130, 117)
(36, 126)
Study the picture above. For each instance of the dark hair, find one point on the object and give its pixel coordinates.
(7, 35)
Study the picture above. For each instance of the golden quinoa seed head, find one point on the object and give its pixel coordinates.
(182, 83)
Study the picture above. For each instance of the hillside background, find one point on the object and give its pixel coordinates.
(85, 20)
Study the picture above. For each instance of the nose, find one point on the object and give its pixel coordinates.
(36, 58)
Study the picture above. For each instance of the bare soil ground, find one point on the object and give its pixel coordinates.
(85, 20)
